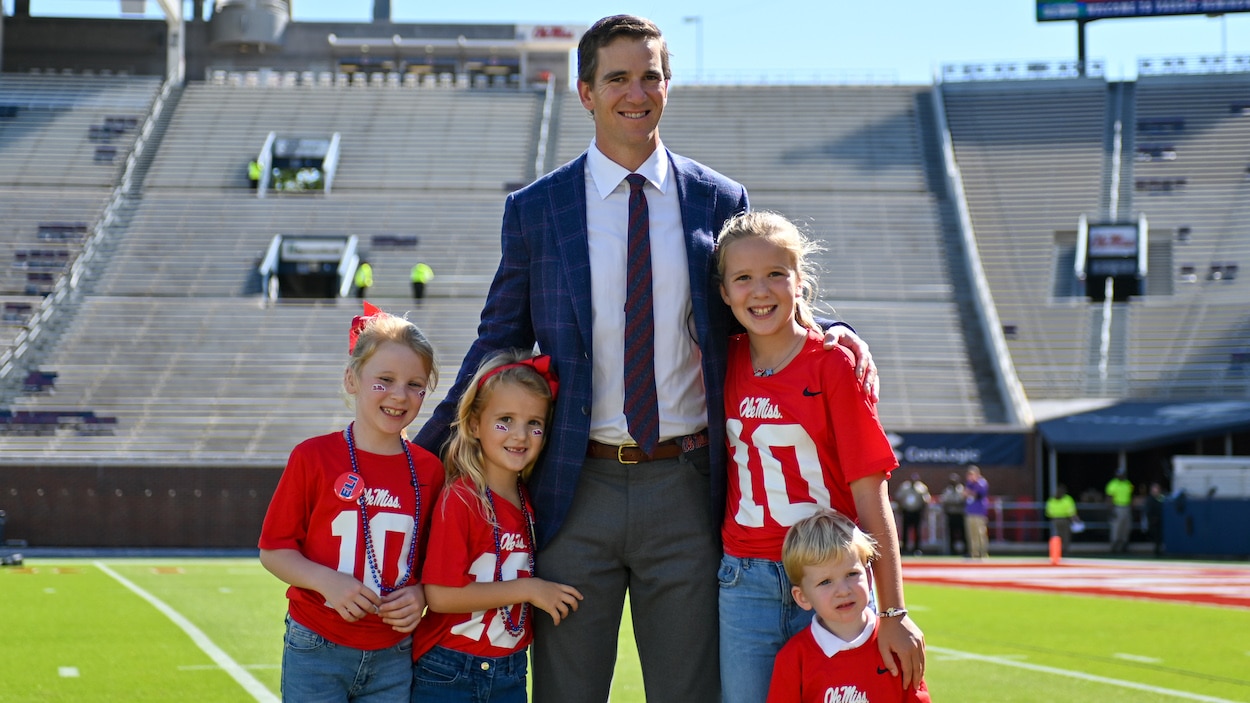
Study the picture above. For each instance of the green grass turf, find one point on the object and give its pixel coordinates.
(68, 613)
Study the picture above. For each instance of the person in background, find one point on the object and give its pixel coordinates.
(1154, 516)
(835, 658)
(1061, 510)
(348, 523)
(364, 279)
(253, 173)
(1119, 493)
(421, 275)
(952, 500)
(913, 499)
(976, 513)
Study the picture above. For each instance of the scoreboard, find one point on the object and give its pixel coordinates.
(1048, 10)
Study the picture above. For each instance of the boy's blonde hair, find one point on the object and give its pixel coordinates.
(383, 327)
(464, 452)
(781, 232)
(821, 536)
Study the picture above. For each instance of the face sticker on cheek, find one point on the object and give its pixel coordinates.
(537, 432)
(501, 427)
(379, 387)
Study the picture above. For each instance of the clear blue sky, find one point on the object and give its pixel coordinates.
(892, 40)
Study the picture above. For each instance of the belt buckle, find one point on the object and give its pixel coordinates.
(621, 457)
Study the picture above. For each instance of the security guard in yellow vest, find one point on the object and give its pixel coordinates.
(1060, 510)
(1120, 492)
(421, 275)
(364, 278)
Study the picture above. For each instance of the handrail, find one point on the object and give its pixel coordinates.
(1017, 406)
(544, 129)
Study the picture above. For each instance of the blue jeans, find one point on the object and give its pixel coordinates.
(317, 670)
(757, 616)
(444, 675)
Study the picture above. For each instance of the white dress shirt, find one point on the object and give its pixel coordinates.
(678, 373)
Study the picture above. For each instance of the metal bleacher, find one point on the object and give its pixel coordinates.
(172, 340)
(64, 140)
(172, 337)
(69, 130)
(1031, 156)
(1192, 179)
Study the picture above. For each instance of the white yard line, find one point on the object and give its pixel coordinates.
(1003, 661)
(201, 640)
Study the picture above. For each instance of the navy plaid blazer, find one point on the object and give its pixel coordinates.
(541, 293)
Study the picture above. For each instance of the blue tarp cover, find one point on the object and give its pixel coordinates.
(1135, 425)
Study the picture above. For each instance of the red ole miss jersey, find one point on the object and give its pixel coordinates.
(797, 439)
(462, 551)
(307, 514)
(803, 673)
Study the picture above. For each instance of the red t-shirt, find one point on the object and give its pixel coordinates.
(797, 439)
(803, 673)
(306, 514)
(464, 553)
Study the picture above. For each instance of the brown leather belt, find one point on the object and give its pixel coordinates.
(633, 454)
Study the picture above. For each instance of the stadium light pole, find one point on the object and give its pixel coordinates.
(697, 21)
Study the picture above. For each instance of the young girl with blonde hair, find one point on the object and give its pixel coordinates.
(347, 523)
(802, 435)
(480, 583)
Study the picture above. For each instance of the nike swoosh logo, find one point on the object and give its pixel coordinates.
(811, 393)
(882, 671)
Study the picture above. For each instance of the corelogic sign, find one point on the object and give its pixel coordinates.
(958, 448)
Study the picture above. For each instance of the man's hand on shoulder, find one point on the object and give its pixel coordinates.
(865, 369)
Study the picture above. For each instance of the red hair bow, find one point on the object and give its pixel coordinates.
(540, 364)
(358, 325)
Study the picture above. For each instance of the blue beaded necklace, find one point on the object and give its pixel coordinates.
(364, 518)
(514, 628)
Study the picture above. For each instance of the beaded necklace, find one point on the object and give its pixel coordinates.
(364, 518)
(514, 628)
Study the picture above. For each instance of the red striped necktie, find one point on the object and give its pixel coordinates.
(642, 408)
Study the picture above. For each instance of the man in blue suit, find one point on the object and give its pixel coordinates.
(611, 517)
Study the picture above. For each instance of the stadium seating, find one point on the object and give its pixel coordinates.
(1031, 154)
(171, 354)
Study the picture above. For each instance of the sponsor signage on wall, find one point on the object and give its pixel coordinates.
(959, 448)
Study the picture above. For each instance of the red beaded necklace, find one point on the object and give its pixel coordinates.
(514, 628)
(364, 518)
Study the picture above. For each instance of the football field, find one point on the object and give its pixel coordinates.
(1020, 630)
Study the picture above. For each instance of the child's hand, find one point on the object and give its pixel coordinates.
(556, 599)
(902, 648)
(350, 598)
(402, 609)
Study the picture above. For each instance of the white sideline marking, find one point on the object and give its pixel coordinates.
(1136, 658)
(67, 672)
(201, 640)
(1082, 676)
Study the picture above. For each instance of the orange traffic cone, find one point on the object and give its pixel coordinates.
(1056, 550)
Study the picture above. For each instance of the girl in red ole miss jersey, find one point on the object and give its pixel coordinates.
(347, 522)
(802, 436)
(480, 580)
